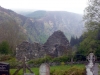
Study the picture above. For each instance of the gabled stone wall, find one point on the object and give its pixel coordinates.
(57, 44)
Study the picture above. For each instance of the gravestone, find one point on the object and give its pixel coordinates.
(44, 69)
(29, 74)
(4, 68)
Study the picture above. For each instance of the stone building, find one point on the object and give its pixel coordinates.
(56, 45)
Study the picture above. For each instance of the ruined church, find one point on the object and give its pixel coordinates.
(56, 45)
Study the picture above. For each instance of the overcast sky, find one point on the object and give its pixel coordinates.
(76, 6)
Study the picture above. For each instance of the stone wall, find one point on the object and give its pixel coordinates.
(29, 50)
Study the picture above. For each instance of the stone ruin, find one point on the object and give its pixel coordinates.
(29, 50)
(56, 45)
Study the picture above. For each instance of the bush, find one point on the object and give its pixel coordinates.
(13, 63)
(4, 57)
(72, 71)
(61, 59)
(62, 63)
(39, 61)
(49, 59)
(9, 59)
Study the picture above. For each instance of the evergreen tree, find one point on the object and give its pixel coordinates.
(75, 41)
(72, 41)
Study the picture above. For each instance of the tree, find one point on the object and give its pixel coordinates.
(92, 21)
(92, 15)
(4, 48)
(74, 41)
(91, 40)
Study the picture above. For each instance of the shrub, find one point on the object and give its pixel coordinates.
(4, 57)
(39, 61)
(49, 59)
(72, 71)
(13, 63)
(62, 63)
(9, 59)
(61, 59)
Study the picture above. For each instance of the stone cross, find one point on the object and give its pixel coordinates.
(91, 58)
(44, 69)
(89, 67)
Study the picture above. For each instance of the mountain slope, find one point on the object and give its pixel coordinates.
(40, 27)
(50, 21)
(23, 22)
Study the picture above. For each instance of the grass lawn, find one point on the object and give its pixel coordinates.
(52, 68)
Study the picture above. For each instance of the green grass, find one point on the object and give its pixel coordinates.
(53, 68)
(35, 70)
